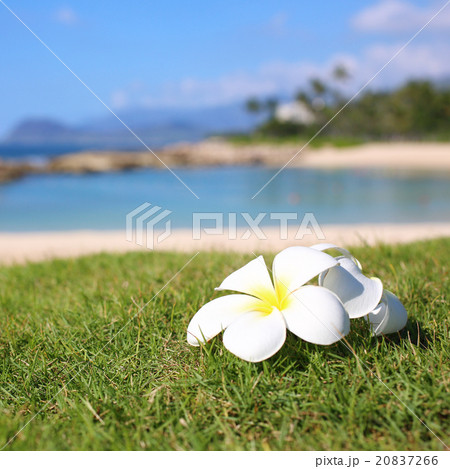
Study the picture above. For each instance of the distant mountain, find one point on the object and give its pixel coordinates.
(33, 131)
(156, 127)
(225, 118)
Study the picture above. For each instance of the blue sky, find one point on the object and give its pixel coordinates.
(197, 53)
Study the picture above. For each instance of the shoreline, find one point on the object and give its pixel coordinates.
(23, 247)
(414, 156)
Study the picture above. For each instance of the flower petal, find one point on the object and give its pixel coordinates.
(359, 294)
(253, 279)
(295, 266)
(389, 316)
(216, 315)
(256, 336)
(344, 252)
(316, 315)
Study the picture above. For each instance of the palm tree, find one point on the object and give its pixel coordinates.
(271, 105)
(340, 73)
(253, 105)
(318, 86)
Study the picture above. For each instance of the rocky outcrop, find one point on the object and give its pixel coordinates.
(101, 161)
(207, 153)
(211, 152)
(216, 152)
(220, 152)
(10, 171)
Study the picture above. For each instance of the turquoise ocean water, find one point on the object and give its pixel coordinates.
(101, 201)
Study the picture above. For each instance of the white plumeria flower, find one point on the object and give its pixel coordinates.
(363, 296)
(359, 294)
(389, 316)
(256, 320)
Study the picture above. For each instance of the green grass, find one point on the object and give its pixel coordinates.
(148, 389)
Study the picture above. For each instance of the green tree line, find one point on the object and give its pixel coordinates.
(417, 110)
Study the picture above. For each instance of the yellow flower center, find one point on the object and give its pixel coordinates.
(279, 298)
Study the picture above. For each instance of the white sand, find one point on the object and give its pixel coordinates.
(402, 155)
(429, 156)
(23, 247)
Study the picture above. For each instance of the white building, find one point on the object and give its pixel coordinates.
(296, 112)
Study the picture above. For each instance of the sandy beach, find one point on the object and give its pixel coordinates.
(18, 248)
(402, 155)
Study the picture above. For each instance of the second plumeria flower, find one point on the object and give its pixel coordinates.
(362, 296)
(255, 321)
(359, 294)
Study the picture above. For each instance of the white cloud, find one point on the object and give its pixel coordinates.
(120, 99)
(417, 61)
(192, 92)
(398, 16)
(67, 16)
(277, 25)
(273, 78)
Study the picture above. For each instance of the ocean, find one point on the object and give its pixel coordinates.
(101, 201)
